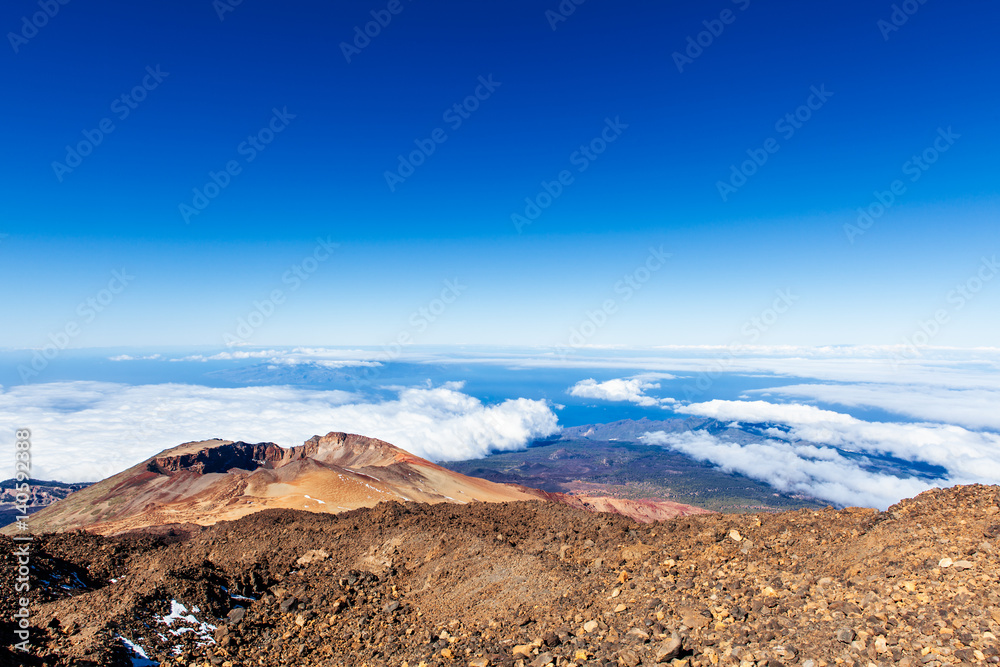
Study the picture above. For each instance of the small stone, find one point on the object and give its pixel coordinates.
(668, 650)
(479, 662)
(542, 660)
(391, 607)
(620, 608)
(523, 649)
(640, 633)
(287, 604)
(447, 654)
(845, 635)
(236, 615)
(312, 556)
(735, 536)
(694, 618)
(629, 659)
(590, 626)
(945, 562)
(962, 564)
(550, 639)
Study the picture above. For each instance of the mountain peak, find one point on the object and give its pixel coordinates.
(349, 450)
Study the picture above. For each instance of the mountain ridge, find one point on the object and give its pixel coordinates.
(203, 482)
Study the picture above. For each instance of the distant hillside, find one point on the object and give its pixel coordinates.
(43, 494)
(607, 460)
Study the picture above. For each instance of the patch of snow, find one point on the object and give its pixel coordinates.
(137, 654)
(179, 613)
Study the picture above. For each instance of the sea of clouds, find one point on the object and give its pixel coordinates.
(86, 431)
(947, 401)
(938, 408)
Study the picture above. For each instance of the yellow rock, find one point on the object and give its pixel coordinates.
(580, 655)
(620, 608)
(446, 653)
(909, 586)
(525, 649)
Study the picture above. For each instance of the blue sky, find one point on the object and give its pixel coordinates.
(551, 91)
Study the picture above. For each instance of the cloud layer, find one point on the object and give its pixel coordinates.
(85, 431)
(807, 446)
(821, 472)
(969, 456)
(972, 407)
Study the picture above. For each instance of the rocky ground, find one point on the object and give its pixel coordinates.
(528, 583)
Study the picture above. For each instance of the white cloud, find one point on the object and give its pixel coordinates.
(969, 456)
(128, 357)
(85, 431)
(821, 472)
(295, 357)
(632, 390)
(973, 408)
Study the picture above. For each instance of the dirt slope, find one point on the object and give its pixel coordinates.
(532, 583)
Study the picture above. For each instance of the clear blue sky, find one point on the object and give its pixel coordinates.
(548, 92)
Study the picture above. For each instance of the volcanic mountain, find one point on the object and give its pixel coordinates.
(209, 481)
